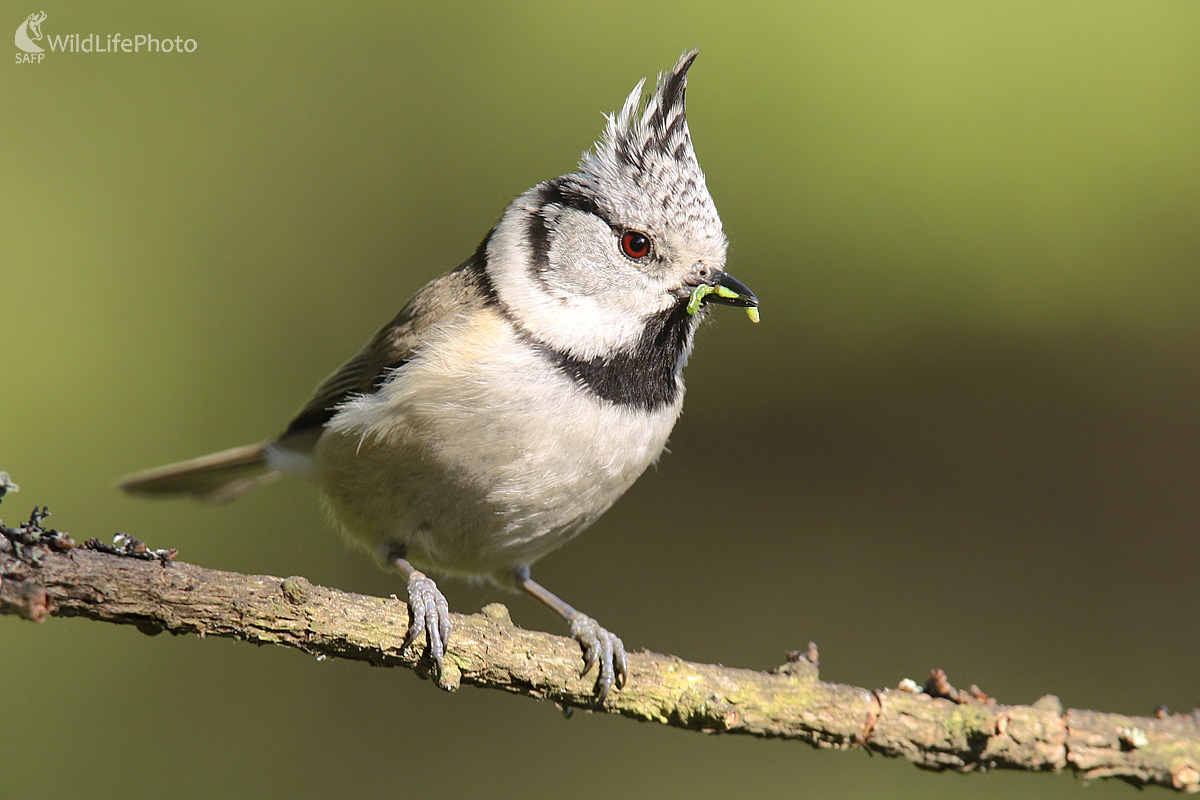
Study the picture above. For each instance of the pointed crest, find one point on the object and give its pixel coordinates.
(646, 149)
(659, 130)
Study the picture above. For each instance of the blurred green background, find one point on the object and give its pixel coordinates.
(966, 434)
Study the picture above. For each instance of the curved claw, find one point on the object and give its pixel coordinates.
(428, 613)
(604, 649)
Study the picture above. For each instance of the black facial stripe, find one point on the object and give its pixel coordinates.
(537, 233)
(479, 279)
(475, 270)
(647, 376)
(562, 193)
(537, 230)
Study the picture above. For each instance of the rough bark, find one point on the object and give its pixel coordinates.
(43, 573)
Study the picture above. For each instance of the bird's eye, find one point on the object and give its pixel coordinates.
(635, 244)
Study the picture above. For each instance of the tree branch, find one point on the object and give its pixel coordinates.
(44, 573)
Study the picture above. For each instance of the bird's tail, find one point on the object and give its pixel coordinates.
(215, 478)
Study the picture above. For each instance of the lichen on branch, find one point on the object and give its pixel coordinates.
(45, 573)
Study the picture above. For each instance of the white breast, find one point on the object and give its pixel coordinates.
(479, 455)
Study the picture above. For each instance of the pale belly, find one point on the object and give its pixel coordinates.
(474, 472)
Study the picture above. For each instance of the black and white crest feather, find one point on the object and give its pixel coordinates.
(645, 160)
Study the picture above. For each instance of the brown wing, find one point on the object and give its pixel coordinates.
(445, 298)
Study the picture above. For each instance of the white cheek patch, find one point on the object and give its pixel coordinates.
(582, 250)
(554, 309)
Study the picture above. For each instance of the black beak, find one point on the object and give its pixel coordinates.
(727, 290)
(732, 292)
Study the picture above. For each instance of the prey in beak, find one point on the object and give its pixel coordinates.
(728, 291)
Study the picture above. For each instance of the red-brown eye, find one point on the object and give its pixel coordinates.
(635, 245)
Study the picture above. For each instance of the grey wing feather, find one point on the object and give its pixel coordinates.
(442, 299)
(343, 383)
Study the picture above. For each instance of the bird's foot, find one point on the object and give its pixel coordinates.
(428, 613)
(603, 649)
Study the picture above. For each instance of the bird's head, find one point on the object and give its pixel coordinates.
(592, 260)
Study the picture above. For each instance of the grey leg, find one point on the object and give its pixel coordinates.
(428, 611)
(599, 646)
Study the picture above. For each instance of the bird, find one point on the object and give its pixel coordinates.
(515, 398)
